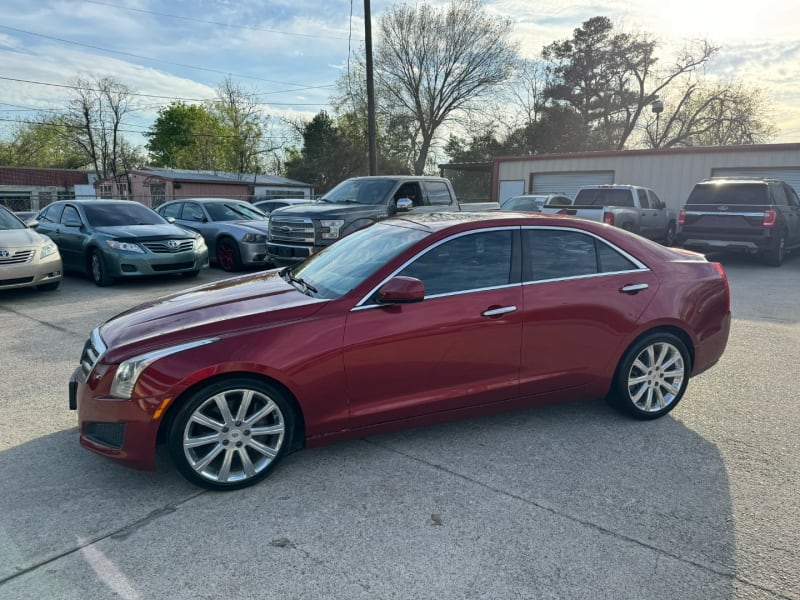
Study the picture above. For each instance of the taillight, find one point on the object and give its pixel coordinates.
(608, 218)
(681, 217)
(721, 271)
(770, 216)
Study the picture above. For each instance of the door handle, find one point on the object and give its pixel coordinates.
(633, 288)
(496, 312)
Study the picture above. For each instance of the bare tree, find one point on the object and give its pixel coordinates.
(433, 63)
(95, 115)
(239, 112)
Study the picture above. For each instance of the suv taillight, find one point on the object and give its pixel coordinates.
(682, 217)
(608, 218)
(770, 216)
(721, 271)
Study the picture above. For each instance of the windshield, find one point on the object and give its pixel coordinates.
(346, 264)
(361, 191)
(739, 193)
(531, 203)
(233, 211)
(9, 221)
(604, 197)
(118, 214)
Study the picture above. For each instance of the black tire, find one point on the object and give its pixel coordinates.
(231, 438)
(775, 255)
(652, 376)
(669, 239)
(49, 287)
(98, 271)
(228, 257)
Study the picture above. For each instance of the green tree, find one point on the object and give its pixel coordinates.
(45, 142)
(185, 136)
(239, 113)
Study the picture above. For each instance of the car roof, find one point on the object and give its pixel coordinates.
(95, 202)
(205, 200)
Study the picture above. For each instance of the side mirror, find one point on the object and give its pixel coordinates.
(32, 223)
(73, 223)
(404, 204)
(170, 220)
(402, 290)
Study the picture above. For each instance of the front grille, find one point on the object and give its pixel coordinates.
(173, 266)
(169, 246)
(15, 257)
(92, 351)
(16, 281)
(291, 229)
(107, 434)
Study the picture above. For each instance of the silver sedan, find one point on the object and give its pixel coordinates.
(235, 231)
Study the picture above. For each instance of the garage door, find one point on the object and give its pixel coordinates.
(790, 175)
(568, 183)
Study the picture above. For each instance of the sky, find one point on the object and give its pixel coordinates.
(291, 52)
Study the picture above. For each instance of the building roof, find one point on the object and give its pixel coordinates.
(222, 177)
(26, 176)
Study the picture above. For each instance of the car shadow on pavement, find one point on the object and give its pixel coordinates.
(562, 501)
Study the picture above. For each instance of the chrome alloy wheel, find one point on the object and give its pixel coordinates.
(656, 377)
(233, 435)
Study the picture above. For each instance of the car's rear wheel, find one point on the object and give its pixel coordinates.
(98, 271)
(775, 255)
(230, 434)
(48, 287)
(228, 255)
(669, 239)
(652, 376)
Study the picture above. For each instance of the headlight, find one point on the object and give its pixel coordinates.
(330, 229)
(48, 249)
(254, 237)
(127, 246)
(199, 242)
(129, 371)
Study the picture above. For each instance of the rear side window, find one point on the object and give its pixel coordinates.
(438, 193)
(729, 193)
(558, 254)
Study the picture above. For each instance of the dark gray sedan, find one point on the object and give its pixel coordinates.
(114, 239)
(235, 231)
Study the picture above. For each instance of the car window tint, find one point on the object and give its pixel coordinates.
(171, 210)
(791, 195)
(557, 253)
(70, 214)
(729, 193)
(468, 262)
(655, 201)
(438, 192)
(611, 261)
(643, 201)
(778, 194)
(192, 212)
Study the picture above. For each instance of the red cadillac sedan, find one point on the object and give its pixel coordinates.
(411, 321)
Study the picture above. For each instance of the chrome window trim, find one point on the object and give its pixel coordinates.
(360, 304)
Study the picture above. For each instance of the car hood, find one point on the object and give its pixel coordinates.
(251, 301)
(145, 232)
(18, 238)
(323, 210)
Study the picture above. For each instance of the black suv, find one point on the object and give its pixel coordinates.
(759, 216)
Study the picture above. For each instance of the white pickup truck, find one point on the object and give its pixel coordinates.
(630, 207)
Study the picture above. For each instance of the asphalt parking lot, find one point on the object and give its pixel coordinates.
(570, 501)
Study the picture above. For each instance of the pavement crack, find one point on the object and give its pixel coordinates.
(576, 519)
(40, 322)
(118, 534)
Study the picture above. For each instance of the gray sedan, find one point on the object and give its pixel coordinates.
(235, 231)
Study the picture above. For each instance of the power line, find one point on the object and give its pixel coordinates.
(74, 87)
(184, 18)
(139, 56)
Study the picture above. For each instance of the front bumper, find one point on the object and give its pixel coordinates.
(132, 264)
(253, 253)
(40, 272)
(123, 430)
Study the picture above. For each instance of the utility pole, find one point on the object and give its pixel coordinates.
(371, 127)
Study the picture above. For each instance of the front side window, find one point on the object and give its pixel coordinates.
(563, 253)
(71, 214)
(171, 210)
(192, 212)
(52, 213)
(468, 262)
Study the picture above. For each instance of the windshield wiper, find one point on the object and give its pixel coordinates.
(305, 287)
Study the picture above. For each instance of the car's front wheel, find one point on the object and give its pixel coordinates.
(652, 376)
(231, 433)
(98, 271)
(228, 256)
